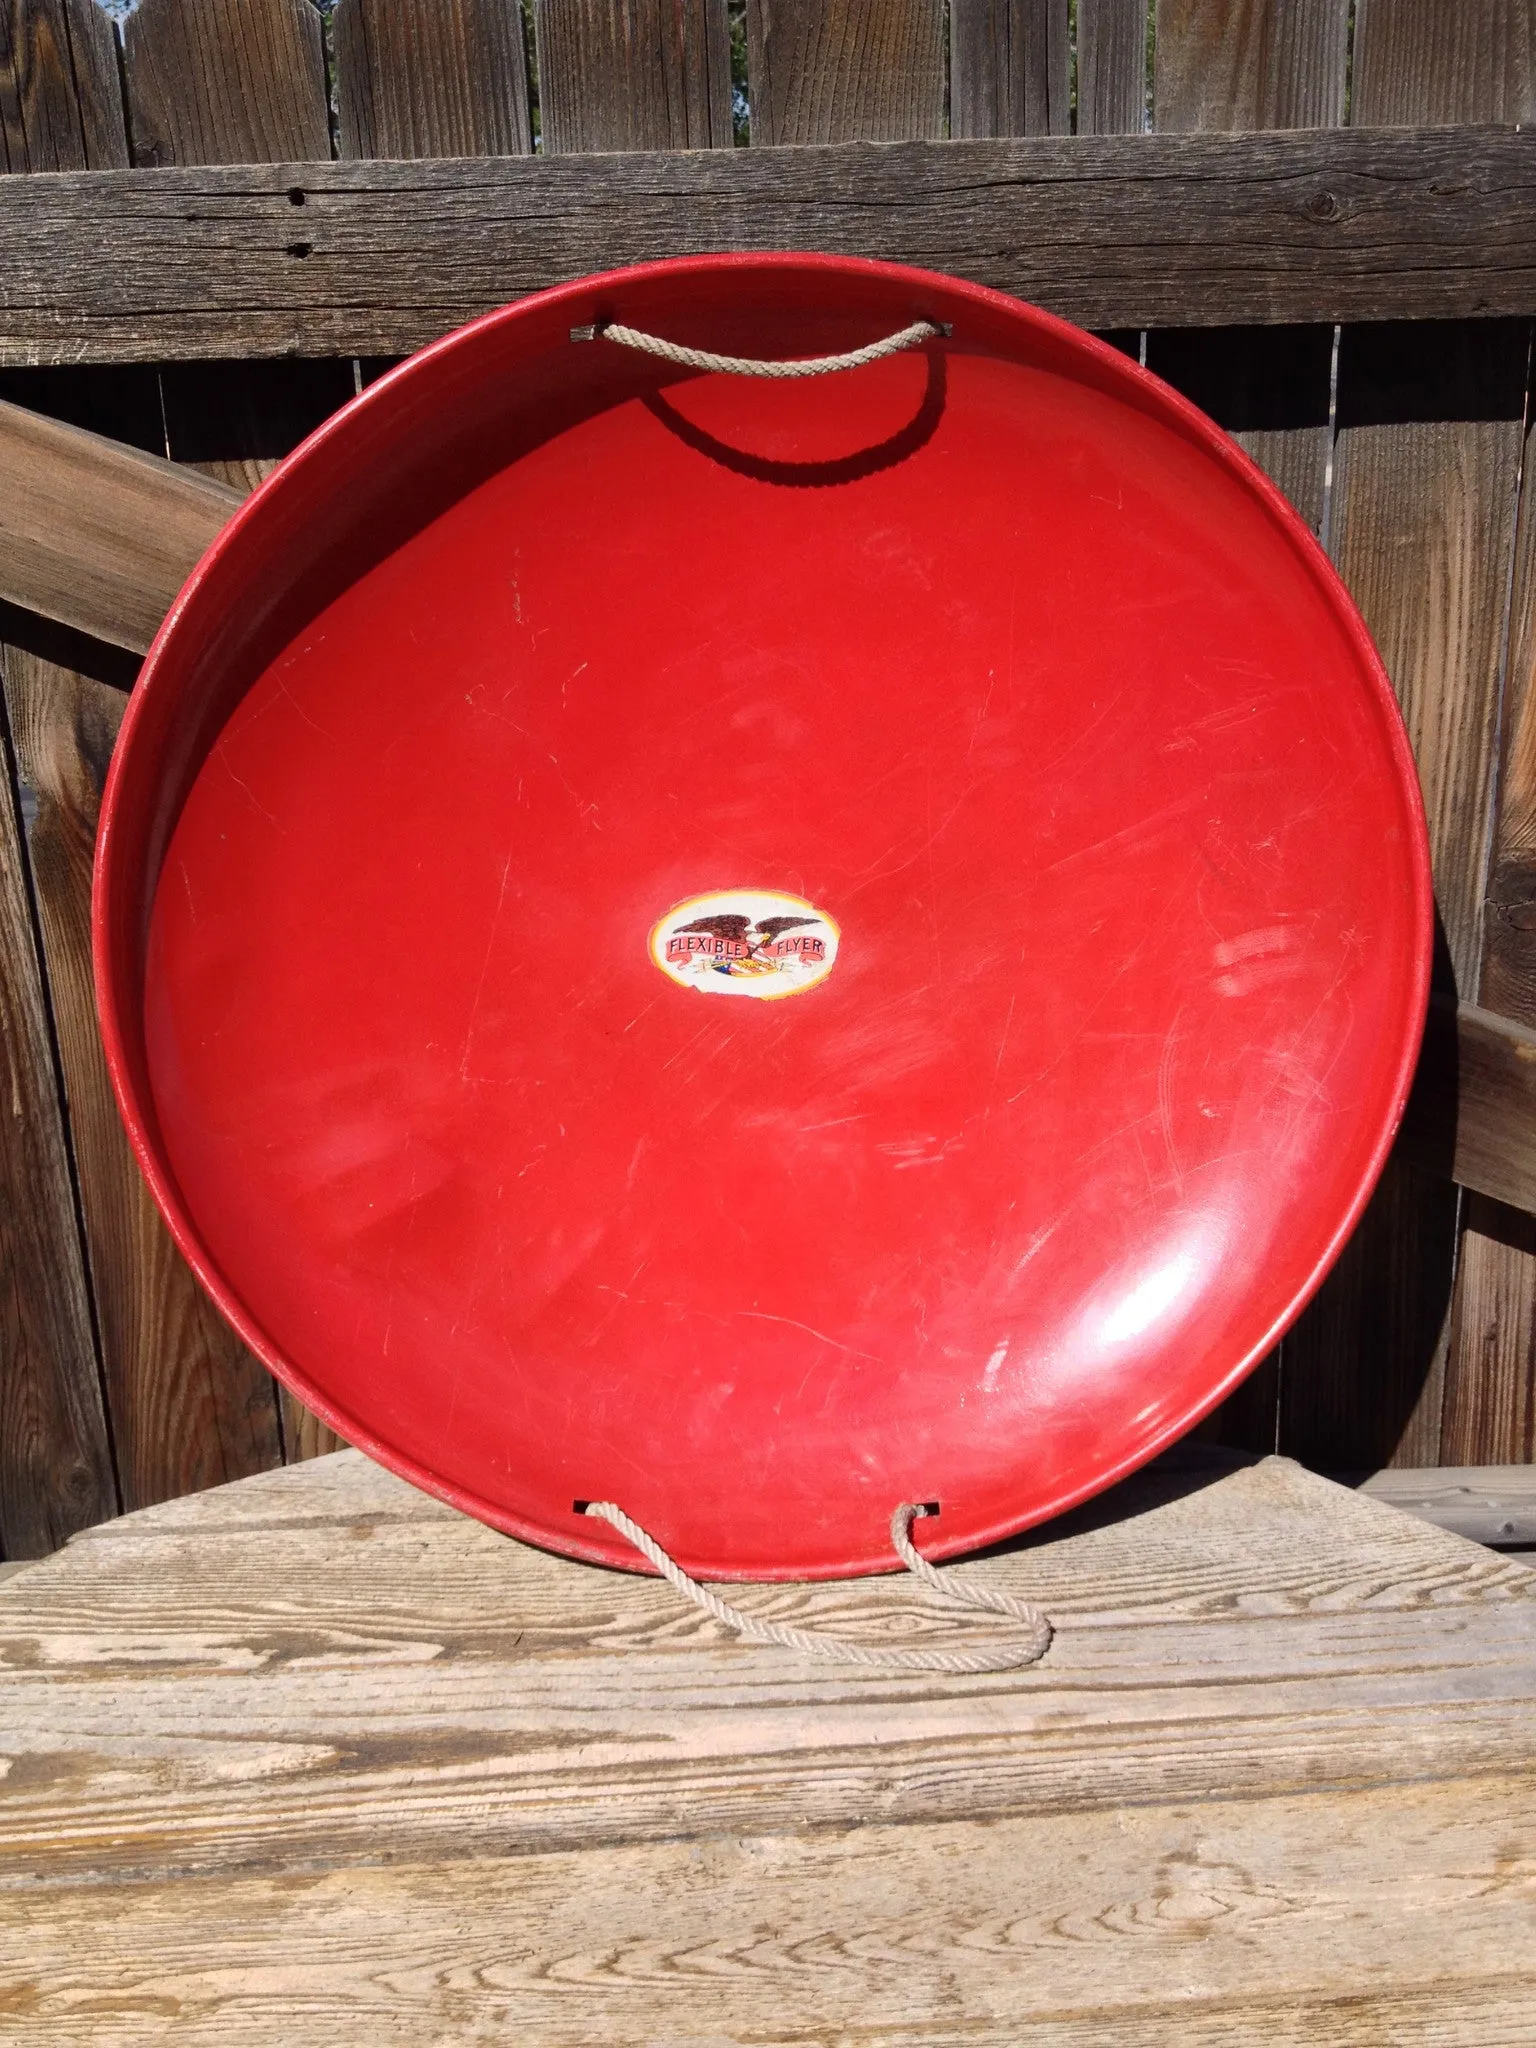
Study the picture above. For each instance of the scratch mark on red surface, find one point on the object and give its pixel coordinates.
(1165, 1099)
(762, 1315)
(235, 779)
(284, 691)
(485, 964)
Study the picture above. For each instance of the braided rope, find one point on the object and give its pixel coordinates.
(1033, 1646)
(753, 366)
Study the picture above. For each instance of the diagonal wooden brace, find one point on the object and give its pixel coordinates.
(96, 535)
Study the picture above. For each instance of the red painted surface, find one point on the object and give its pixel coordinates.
(998, 653)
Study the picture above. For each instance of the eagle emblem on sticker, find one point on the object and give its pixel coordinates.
(745, 942)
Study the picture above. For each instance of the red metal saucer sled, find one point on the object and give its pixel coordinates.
(761, 947)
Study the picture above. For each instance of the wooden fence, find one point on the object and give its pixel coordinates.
(215, 316)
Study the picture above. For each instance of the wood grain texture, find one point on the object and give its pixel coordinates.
(1111, 67)
(1490, 1394)
(189, 1404)
(431, 78)
(1472, 1115)
(845, 70)
(55, 1459)
(1509, 929)
(1426, 470)
(1493, 1504)
(1010, 68)
(1426, 467)
(314, 1758)
(289, 1676)
(1199, 230)
(1220, 1922)
(96, 534)
(1245, 65)
(225, 82)
(633, 74)
(60, 104)
(1421, 60)
(1240, 64)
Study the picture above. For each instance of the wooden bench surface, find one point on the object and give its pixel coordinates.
(310, 1758)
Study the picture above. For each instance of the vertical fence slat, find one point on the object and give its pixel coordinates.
(1111, 67)
(1010, 67)
(1490, 1379)
(1509, 918)
(421, 78)
(60, 103)
(633, 74)
(1490, 1373)
(1422, 514)
(60, 110)
(1262, 64)
(845, 70)
(189, 1406)
(55, 1464)
(226, 82)
(168, 1355)
(1241, 64)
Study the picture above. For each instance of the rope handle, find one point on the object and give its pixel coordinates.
(1035, 1637)
(754, 366)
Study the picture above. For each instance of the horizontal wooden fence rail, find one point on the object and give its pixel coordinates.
(377, 258)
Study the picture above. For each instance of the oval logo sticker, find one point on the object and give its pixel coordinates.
(745, 942)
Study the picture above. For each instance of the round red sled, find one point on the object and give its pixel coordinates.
(763, 946)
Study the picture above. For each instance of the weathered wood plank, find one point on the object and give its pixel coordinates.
(60, 102)
(234, 81)
(1490, 1389)
(1239, 64)
(1419, 60)
(1376, 1916)
(633, 74)
(225, 82)
(1509, 926)
(96, 534)
(421, 78)
(1429, 428)
(1010, 67)
(1424, 480)
(288, 1676)
(1425, 476)
(55, 1460)
(1493, 1504)
(1490, 1397)
(1111, 67)
(1157, 230)
(845, 70)
(1259, 64)
(189, 1406)
(1473, 1111)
